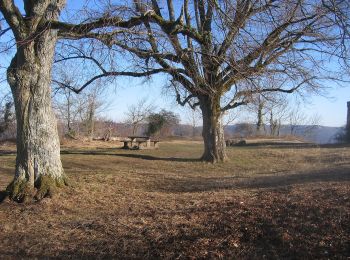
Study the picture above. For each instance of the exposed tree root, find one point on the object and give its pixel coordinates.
(45, 186)
(209, 158)
(20, 190)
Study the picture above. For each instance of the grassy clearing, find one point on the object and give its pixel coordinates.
(265, 201)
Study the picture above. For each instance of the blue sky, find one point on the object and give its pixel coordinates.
(332, 108)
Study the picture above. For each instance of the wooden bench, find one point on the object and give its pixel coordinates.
(140, 142)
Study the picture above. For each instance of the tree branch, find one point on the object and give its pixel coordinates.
(13, 18)
(108, 74)
(80, 30)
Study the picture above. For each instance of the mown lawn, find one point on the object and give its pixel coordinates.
(265, 202)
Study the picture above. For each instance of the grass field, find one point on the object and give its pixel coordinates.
(265, 202)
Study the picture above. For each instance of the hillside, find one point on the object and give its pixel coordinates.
(315, 134)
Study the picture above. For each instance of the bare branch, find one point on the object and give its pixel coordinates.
(13, 17)
(109, 74)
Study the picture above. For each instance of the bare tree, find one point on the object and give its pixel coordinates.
(109, 128)
(193, 117)
(258, 107)
(93, 106)
(36, 31)
(216, 51)
(275, 124)
(300, 123)
(138, 113)
(67, 105)
(268, 107)
(80, 111)
(228, 117)
(260, 121)
(7, 118)
(275, 112)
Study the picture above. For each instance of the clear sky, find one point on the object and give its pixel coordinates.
(332, 109)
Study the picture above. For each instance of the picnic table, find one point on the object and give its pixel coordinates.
(140, 142)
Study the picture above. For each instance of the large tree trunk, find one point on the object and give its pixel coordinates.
(213, 131)
(38, 165)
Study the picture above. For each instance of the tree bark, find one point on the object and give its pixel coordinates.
(38, 165)
(213, 131)
(90, 120)
(259, 124)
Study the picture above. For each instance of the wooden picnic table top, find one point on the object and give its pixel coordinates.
(133, 140)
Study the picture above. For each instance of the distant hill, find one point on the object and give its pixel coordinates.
(315, 134)
(319, 134)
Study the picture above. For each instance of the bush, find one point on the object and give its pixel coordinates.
(162, 120)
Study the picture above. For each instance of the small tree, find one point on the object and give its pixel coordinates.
(67, 106)
(300, 123)
(163, 120)
(138, 113)
(275, 125)
(155, 123)
(193, 117)
(7, 117)
(260, 121)
(259, 107)
(109, 128)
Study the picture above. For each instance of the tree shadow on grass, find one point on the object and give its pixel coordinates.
(136, 156)
(205, 184)
(276, 226)
(154, 158)
(7, 152)
(3, 196)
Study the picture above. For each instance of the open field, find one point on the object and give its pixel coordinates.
(265, 202)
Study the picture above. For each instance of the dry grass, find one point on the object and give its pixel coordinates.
(265, 202)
